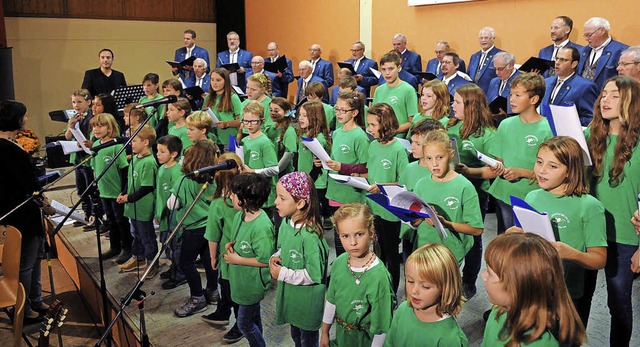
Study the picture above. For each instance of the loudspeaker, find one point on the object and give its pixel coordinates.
(55, 156)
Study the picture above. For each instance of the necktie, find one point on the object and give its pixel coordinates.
(199, 81)
(188, 54)
(301, 92)
(313, 66)
(555, 52)
(480, 64)
(233, 58)
(556, 89)
(438, 69)
(355, 66)
(502, 85)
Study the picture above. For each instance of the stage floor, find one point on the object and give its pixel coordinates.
(164, 329)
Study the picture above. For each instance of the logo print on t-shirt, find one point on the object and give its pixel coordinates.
(357, 306)
(295, 256)
(452, 202)
(386, 164)
(531, 140)
(107, 159)
(245, 247)
(165, 187)
(345, 148)
(467, 145)
(560, 219)
(254, 155)
(393, 100)
(135, 175)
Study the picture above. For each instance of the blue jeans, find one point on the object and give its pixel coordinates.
(619, 286)
(250, 324)
(194, 244)
(144, 239)
(504, 214)
(305, 338)
(32, 252)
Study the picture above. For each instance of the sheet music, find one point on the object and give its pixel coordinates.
(406, 143)
(356, 182)
(79, 136)
(62, 210)
(68, 146)
(566, 122)
(486, 159)
(376, 72)
(535, 223)
(212, 115)
(316, 148)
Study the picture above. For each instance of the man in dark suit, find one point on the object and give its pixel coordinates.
(236, 55)
(629, 63)
(321, 68)
(283, 78)
(450, 77)
(481, 68)
(411, 61)
(434, 65)
(567, 87)
(504, 63)
(306, 76)
(257, 66)
(560, 29)
(363, 65)
(103, 79)
(599, 59)
(199, 77)
(189, 50)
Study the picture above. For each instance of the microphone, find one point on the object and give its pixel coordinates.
(166, 100)
(225, 165)
(109, 143)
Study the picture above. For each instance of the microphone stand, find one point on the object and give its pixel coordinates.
(103, 285)
(136, 291)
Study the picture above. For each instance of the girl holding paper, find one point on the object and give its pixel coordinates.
(577, 217)
(226, 104)
(473, 128)
(613, 143)
(283, 134)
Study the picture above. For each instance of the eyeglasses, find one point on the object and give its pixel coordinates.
(342, 110)
(313, 50)
(439, 52)
(256, 63)
(499, 69)
(627, 64)
(446, 62)
(356, 50)
(588, 35)
(251, 121)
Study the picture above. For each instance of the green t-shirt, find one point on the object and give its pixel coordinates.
(305, 161)
(408, 331)
(385, 164)
(155, 118)
(219, 229)
(181, 133)
(289, 142)
(368, 305)
(260, 153)
(516, 143)
(467, 150)
(349, 147)
(402, 98)
(110, 185)
(268, 122)
(577, 221)
(165, 180)
(253, 239)
(330, 115)
(621, 201)
(419, 116)
(411, 174)
(189, 189)
(494, 326)
(302, 306)
(226, 116)
(455, 200)
(142, 172)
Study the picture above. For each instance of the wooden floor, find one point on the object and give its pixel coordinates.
(164, 329)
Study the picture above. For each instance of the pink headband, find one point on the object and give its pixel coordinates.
(297, 184)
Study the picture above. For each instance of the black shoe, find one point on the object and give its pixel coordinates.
(232, 336)
(171, 283)
(41, 308)
(216, 318)
(110, 254)
(468, 291)
(123, 257)
(165, 275)
(29, 321)
(212, 296)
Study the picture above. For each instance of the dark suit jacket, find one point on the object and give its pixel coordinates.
(206, 81)
(244, 60)
(334, 94)
(324, 71)
(607, 63)
(456, 83)
(486, 72)
(275, 88)
(432, 66)
(576, 90)
(97, 83)
(494, 88)
(411, 62)
(364, 69)
(547, 53)
(300, 80)
(197, 52)
(283, 82)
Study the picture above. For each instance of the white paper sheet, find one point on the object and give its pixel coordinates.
(212, 115)
(316, 148)
(535, 223)
(63, 210)
(376, 72)
(356, 182)
(567, 123)
(69, 146)
(406, 143)
(486, 159)
(79, 136)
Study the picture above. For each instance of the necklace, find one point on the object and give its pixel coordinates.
(366, 267)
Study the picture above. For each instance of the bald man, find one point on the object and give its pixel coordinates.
(435, 65)
(599, 59)
(283, 78)
(321, 68)
(481, 69)
(257, 66)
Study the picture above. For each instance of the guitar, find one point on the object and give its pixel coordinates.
(56, 314)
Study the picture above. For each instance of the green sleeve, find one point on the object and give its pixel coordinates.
(412, 103)
(290, 140)
(471, 207)
(264, 244)
(315, 256)
(382, 308)
(269, 155)
(213, 231)
(148, 173)
(361, 144)
(121, 162)
(495, 147)
(595, 230)
(236, 104)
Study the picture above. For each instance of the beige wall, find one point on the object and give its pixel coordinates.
(50, 57)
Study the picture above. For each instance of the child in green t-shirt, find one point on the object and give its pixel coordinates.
(171, 86)
(386, 159)
(260, 153)
(178, 112)
(219, 232)
(434, 104)
(434, 298)
(359, 299)
(524, 281)
(225, 103)
(112, 184)
(139, 202)
(133, 117)
(283, 134)
(316, 91)
(169, 148)
(150, 87)
(252, 243)
(198, 125)
(300, 264)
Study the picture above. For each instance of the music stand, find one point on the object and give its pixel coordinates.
(126, 95)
